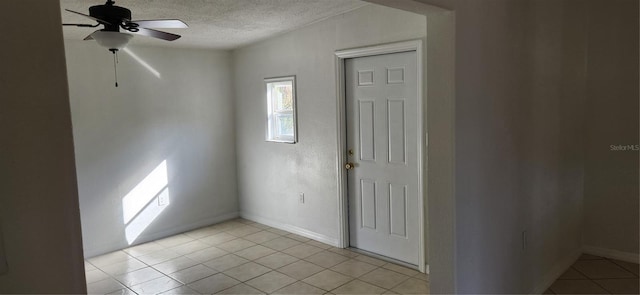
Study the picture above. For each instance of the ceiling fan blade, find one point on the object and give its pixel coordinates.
(82, 25)
(88, 16)
(156, 34)
(161, 24)
(90, 37)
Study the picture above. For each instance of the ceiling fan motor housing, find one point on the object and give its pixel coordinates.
(115, 15)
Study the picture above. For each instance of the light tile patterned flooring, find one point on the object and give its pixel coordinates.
(244, 257)
(597, 275)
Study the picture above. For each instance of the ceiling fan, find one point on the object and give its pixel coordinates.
(115, 18)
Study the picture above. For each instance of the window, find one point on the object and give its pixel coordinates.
(281, 109)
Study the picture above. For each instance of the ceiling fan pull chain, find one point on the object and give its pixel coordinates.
(115, 62)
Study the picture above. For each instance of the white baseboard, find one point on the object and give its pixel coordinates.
(333, 241)
(556, 271)
(613, 254)
(426, 269)
(91, 252)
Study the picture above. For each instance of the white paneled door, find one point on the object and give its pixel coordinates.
(382, 149)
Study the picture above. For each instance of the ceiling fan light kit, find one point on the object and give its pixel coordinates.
(111, 40)
(114, 18)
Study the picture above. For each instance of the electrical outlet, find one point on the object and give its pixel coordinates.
(301, 198)
(163, 199)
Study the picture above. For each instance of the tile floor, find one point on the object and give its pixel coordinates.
(597, 275)
(244, 257)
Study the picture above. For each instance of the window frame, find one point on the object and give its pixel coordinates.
(271, 124)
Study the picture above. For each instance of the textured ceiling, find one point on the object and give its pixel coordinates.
(216, 24)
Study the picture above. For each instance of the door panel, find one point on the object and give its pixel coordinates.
(396, 131)
(398, 210)
(368, 200)
(382, 124)
(366, 130)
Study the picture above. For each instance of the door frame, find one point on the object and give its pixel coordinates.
(343, 205)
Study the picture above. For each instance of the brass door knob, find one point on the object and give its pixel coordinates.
(349, 166)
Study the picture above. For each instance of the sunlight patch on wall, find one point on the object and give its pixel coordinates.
(144, 203)
(142, 62)
(148, 188)
(147, 216)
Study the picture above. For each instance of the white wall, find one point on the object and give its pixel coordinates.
(523, 144)
(515, 130)
(184, 116)
(611, 177)
(270, 175)
(519, 92)
(39, 216)
(550, 126)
